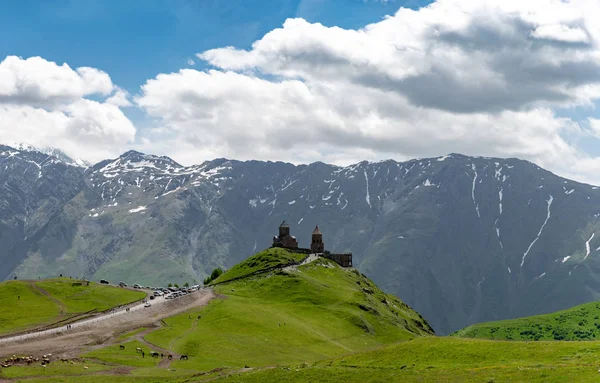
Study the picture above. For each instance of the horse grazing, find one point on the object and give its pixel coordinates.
(64, 360)
(170, 357)
(154, 354)
(138, 350)
(121, 347)
(183, 357)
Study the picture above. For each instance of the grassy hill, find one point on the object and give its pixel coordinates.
(319, 322)
(38, 303)
(306, 312)
(577, 323)
(263, 261)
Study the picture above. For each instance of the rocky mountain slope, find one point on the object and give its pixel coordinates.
(460, 239)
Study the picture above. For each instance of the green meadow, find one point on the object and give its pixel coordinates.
(319, 323)
(577, 323)
(30, 304)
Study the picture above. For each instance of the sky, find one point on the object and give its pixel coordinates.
(338, 81)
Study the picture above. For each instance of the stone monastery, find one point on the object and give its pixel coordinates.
(289, 242)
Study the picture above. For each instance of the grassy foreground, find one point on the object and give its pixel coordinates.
(435, 359)
(322, 323)
(423, 359)
(37, 303)
(577, 323)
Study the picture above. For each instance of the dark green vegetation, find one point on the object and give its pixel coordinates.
(216, 273)
(31, 304)
(577, 323)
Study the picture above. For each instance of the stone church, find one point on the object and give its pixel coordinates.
(317, 246)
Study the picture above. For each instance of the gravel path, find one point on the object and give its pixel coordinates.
(101, 329)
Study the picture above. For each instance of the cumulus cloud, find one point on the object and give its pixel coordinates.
(119, 98)
(479, 77)
(471, 76)
(35, 81)
(45, 104)
(561, 33)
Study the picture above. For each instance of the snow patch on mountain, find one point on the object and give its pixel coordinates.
(473, 190)
(368, 197)
(587, 246)
(549, 202)
(500, 200)
(137, 209)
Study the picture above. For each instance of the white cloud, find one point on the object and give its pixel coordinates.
(35, 81)
(560, 33)
(471, 76)
(479, 77)
(83, 129)
(119, 98)
(44, 104)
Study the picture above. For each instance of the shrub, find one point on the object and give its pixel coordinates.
(216, 273)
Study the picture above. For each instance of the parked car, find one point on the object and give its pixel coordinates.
(147, 304)
(136, 286)
(104, 281)
(122, 284)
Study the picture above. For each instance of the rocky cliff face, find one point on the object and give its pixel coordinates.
(460, 239)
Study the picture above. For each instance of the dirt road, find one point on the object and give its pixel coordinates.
(101, 329)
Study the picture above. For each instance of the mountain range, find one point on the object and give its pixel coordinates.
(460, 239)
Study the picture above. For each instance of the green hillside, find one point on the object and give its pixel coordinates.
(577, 323)
(308, 312)
(41, 303)
(320, 322)
(263, 261)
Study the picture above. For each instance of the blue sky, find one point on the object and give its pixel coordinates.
(134, 40)
(301, 81)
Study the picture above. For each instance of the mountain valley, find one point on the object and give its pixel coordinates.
(461, 239)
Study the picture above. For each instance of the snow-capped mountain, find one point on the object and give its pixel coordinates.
(57, 154)
(460, 239)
